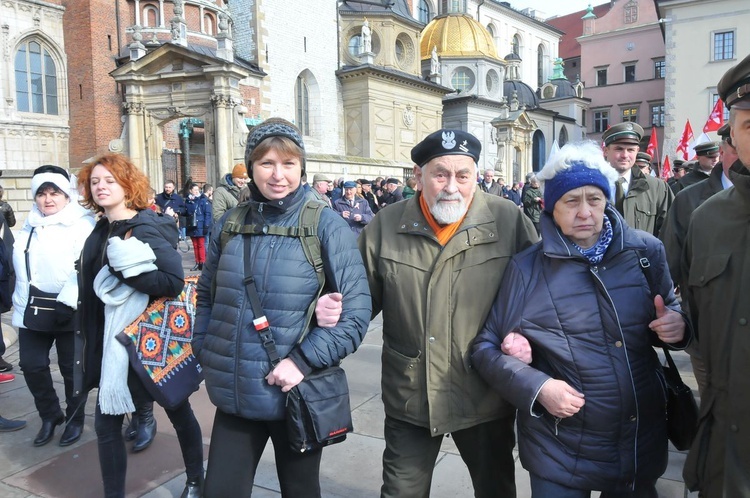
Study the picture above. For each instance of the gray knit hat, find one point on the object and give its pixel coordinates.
(273, 127)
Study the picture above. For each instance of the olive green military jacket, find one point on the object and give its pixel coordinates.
(717, 264)
(647, 202)
(434, 301)
(685, 202)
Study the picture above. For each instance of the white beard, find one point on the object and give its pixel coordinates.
(447, 213)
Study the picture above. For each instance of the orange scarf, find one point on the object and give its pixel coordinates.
(442, 232)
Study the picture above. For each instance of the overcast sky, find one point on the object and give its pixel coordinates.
(555, 7)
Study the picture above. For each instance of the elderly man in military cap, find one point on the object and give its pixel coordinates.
(643, 162)
(716, 266)
(434, 263)
(707, 156)
(642, 200)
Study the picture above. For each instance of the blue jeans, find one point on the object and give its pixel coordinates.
(542, 488)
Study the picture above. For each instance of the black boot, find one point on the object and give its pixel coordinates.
(132, 428)
(48, 430)
(196, 267)
(200, 266)
(146, 430)
(193, 488)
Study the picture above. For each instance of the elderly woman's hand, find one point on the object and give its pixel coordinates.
(517, 346)
(669, 325)
(560, 399)
(328, 309)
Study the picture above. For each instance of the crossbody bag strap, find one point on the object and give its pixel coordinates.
(260, 322)
(26, 255)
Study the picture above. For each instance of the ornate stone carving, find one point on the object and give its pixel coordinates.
(222, 100)
(408, 116)
(178, 8)
(133, 107)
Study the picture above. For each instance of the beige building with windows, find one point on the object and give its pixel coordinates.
(703, 39)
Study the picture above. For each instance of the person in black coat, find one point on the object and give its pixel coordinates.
(199, 221)
(114, 186)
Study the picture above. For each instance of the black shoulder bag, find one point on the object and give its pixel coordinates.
(682, 410)
(41, 307)
(317, 409)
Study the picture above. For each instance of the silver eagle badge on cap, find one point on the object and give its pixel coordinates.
(449, 140)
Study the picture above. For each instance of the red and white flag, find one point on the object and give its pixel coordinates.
(666, 169)
(684, 147)
(716, 119)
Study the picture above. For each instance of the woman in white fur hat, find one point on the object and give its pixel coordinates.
(49, 242)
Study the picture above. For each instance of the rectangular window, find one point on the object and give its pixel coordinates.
(601, 121)
(724, 45)
(601, 77)
(629, 73)
(657, 114)
(660, 69)
(714, 98)
(630, 114)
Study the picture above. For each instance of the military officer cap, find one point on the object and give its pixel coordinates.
(679, 163)
(320, 177)
(365, 181)
(734, 86)
(446, 143)
(627, 132)
(643, 157)
(710, 149)
(724, 132)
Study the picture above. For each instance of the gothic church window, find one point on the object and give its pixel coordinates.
(302, 104)
(36, 79)
(424, 12)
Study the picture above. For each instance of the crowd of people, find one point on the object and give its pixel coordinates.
(534, 306)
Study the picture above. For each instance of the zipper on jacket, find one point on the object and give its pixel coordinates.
(595, 272)
(557, 422)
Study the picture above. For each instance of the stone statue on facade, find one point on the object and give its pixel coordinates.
(178, 7)
(366, 46)
(223, 22)
(434, 61)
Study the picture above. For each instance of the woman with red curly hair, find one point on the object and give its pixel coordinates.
(134, 245)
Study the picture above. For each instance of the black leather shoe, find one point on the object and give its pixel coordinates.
(71, 434)
(47, 431)
(131, 429)
(193, 489)
(196, 267)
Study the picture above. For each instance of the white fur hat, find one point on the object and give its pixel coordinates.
(50, 174)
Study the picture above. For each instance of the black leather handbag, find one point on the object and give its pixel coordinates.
(41, 307)
(682, 410)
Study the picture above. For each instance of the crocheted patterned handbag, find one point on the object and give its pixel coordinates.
(158, 344)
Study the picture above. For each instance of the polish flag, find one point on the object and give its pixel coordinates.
(716, 119)
(684, 146)
(666, 169)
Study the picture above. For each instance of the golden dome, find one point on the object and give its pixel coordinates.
(457, 35)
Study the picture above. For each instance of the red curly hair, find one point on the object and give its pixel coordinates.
(132, 180)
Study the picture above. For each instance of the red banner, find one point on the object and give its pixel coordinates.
(687, 136)
(716, 119)
(666, 169)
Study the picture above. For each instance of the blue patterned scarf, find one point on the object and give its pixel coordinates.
(595, 253)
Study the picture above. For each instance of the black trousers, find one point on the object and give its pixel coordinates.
(486, 449)
(236, 447)
(113, 457)
(34, 348)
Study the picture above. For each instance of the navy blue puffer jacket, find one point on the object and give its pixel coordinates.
(588, 326)
(233, 359)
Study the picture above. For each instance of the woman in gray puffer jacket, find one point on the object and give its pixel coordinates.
(591, 404)
(250, 394)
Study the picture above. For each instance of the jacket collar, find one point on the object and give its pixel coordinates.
(413, 220)
(740, 177)
(638, 182)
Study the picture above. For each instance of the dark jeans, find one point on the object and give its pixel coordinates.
(34, 348)
(2, 342)
(411, 451)
(236, 447)
(113, 458)
(542, 488)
